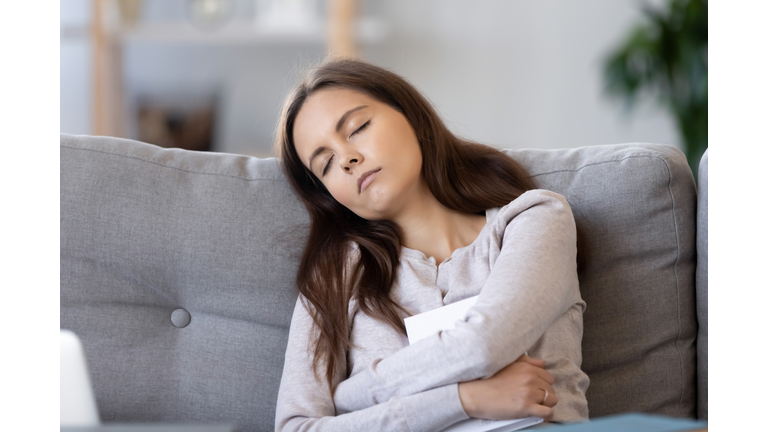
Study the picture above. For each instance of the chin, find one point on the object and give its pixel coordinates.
(371, 214)
(378, 205)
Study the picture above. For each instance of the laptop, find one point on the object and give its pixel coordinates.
(78, 405)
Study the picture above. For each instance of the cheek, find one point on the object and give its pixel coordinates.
(412, 164)
(341, 195)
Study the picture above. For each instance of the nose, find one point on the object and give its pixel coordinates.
(350, 160)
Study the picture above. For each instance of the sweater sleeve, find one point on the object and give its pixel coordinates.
(304, 403)
(532, 283)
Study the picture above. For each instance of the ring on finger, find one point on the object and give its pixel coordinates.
(546, 395)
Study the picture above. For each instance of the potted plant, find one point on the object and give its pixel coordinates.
(666, 56)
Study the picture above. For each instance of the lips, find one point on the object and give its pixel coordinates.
(366, 179)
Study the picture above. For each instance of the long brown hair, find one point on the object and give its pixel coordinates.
(462, 175)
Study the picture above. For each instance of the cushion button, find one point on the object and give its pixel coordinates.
(180, 318)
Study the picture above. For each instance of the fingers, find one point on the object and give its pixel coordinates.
(540, 387)
(548, 397)
(534, 370)
(531, 361)
(518, 390)
(529, 374)
(544, 375)
(544, 408)
(542, 411)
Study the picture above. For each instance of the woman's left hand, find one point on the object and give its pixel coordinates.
(521, 389)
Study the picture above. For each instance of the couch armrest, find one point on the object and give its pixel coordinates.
(701, 283)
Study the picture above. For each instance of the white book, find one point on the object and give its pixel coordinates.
(444, 318)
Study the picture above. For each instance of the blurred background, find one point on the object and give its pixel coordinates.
(211, 75)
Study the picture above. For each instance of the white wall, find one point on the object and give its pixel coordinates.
(519, 73)
(506, 73)
(74, 67)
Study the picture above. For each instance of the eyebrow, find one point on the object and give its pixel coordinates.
(346, 114)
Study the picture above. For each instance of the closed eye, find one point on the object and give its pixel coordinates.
(361, 128)
(327, 165)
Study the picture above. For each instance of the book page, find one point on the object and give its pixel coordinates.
(444, 318)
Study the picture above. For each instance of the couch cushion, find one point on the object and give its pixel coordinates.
(635, 209)
(147, 231)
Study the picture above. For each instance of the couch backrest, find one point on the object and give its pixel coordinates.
(152, 238)
(635, 209)
(178, 272)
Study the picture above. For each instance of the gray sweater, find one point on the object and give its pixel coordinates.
(522, 265)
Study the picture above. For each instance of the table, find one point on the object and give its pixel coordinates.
(632, 422)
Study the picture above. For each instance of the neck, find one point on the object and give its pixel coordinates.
(435, 230)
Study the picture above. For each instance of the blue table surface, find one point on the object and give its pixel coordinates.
(632, 422)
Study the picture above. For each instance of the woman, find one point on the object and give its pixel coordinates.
(405, 218)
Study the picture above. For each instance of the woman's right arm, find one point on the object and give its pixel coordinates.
(305, 404)
(533, 282)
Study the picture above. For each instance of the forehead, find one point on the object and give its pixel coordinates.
(331, 99)
(324, 107)
(320, 113)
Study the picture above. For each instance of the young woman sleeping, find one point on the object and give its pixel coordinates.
(406, 218)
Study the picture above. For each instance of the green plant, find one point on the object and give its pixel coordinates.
(666, 55)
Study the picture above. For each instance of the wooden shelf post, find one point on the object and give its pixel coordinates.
(106, 81)
(341, 28)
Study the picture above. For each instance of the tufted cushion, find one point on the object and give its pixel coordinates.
(178, 273)
(635, 209)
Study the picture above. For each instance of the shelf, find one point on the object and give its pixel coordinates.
(369, 31)
(107, 35)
